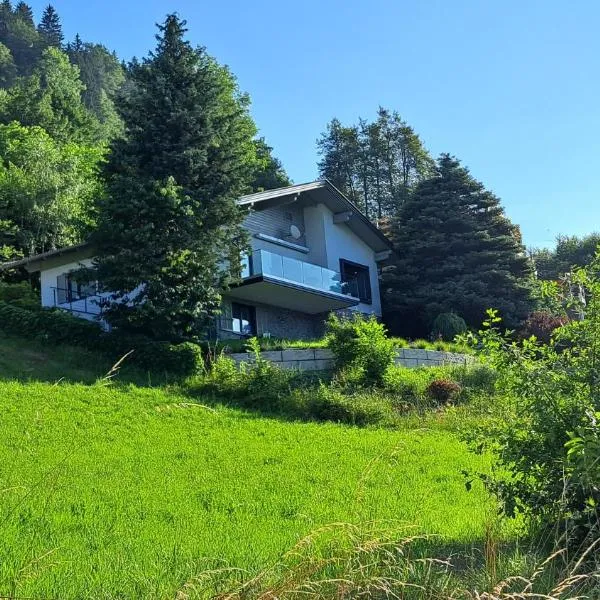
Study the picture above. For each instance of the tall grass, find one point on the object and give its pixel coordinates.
(379, 560)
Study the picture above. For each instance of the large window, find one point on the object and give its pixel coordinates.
(244, 318)
(356, 280)
(70, 290)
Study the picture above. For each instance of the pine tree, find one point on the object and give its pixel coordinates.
(24, 12)
(170, 218)
(456, 251)
(50, 28)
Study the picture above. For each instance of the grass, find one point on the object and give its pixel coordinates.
(125, 491)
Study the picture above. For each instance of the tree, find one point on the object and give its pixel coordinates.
(50, 28)
(375, 164)
(268, 172)
(170, 219)
(455, 251)
(570, 252)
(8, 69)
(18, 34)
(51, 98)
(46, 191)
(23, 11)
(102, 76)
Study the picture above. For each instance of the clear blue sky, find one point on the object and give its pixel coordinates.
(511, 87)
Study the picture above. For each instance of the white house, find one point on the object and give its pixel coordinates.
(312, 252)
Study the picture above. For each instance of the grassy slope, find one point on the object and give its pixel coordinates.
(124, 491)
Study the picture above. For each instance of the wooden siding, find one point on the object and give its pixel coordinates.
(276, 222)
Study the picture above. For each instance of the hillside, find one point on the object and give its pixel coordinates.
(128, 491)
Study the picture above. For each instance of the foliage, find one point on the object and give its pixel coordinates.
(46, 190)
(549, 398)
(569, 253)
(19, 294)
(20, 37)
(50, 29)
(360, 344)
(470, 259)
(447, 326)
(56, 327)
(181, 165)
(443, 391)
(51, 98)
(542, 325)
(268, 172)
(376, 163)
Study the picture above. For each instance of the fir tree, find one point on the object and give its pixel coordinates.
(170, 218)
(50, 28)
(23, 11)
(268, 172)
(456, 251)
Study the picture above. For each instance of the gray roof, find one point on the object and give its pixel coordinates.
(323, 191)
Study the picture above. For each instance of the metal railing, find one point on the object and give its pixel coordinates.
(73, 301)
(263, 262)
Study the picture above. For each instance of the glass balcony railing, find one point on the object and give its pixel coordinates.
(263, 262)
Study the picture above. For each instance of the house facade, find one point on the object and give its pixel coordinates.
(312, 252)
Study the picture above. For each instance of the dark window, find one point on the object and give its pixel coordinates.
(356, 280)
(244, 318)
(69, 290)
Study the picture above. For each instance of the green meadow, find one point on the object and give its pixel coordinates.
(118, 490)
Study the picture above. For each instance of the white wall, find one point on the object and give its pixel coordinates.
(341, 242)
(48, 281)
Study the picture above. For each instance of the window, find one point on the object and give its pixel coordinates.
(356, 280)
(69, 290)
(243, 318)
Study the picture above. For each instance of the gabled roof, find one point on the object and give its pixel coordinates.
(321, 191)
(325, 192)
(34, 263)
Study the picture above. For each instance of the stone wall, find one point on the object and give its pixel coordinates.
(321, 359)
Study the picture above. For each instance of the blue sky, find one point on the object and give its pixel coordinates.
(512, 88)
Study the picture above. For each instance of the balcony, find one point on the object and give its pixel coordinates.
(271, 278)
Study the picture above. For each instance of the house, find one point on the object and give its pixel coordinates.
(312, 252)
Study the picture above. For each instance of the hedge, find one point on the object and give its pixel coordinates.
(56, 326)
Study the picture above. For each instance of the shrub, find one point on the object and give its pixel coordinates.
(19, 294)
(545, 421)
(443, 391)
(59, 327)
(542, 325)
(447, 326)
(360, 343)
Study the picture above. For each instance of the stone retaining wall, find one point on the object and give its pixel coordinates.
(321, 359)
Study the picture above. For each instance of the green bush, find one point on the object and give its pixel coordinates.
(544, 433)
(19, 294)
(254, 384)
(447, 326)
(58, 327)
(360, 344)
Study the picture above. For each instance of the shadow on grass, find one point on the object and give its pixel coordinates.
(28, 360)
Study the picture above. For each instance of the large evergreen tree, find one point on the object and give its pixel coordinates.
(50, 28)
(268, 172)
(456, 251)
(170, 219)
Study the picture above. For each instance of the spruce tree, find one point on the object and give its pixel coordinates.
(24, 12)
(170, 219)
(455, 251)
(50, 28)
